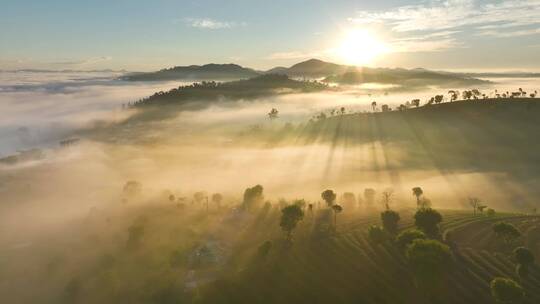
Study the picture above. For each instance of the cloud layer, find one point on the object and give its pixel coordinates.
(436, 25)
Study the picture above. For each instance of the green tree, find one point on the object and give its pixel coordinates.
(429, 260)
(406, 237)
(216, 199)
(369, 195)
(525, 258)
(475, 204)
(329, 197)
(337, 209)
(376, 234)
(290, 216)
(428, 220)
(506, 291)
(387, 196)
(506, 232)
(390, 221)
(418, 192)
(253, 197)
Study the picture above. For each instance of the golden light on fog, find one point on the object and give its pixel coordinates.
(360, 47)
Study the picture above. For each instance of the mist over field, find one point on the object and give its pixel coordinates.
(203, 149)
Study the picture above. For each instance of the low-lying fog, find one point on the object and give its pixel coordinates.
(195, 151)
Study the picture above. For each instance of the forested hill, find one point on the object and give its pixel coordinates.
(235, 90)
(208, 71)
(486, 135)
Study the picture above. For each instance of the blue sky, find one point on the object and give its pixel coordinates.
(148, 35)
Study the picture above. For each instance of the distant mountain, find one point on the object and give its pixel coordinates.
(277, 70)
(312, 68)
(210, 71)
(316, 69)
(502, 75)
(403, 77)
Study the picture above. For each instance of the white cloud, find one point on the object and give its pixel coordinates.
(511, 34)
(443, 15)
(86, 61)
(211, 24)
(432, 26)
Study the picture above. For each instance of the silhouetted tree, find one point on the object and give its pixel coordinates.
(273, 114)
(337, 209)
(390, 221)
(524, 258)
(374, 106)
(369, 195)
(475, 203)
(417, 192)
(506, 291)
(198, 197)
(290, 216)
(216, 199)
(329, 197)
(428, 220)
(415, 102)
(253, 197)
(387, 195)
(505, 231)
(385, 108)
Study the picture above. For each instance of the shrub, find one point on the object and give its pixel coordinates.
(376, 234)
(490, 212)
(406, 237)
(428, 220)
(524, 256)
(429, 260)
(505, 231)
(505, 290)
(390, 221)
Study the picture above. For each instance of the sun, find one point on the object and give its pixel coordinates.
(360, 47)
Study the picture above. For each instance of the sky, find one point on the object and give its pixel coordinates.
(138, 35)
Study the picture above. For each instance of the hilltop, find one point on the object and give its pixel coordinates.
(206, 92)
(196, 72)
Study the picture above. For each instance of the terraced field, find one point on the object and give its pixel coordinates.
(346, 267)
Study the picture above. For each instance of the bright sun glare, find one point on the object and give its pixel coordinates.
(360, 47)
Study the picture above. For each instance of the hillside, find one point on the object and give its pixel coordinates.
(196, 72)
(252, 88)
(314, 68)
(189, 255)
(403, 77)
(347, 267)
